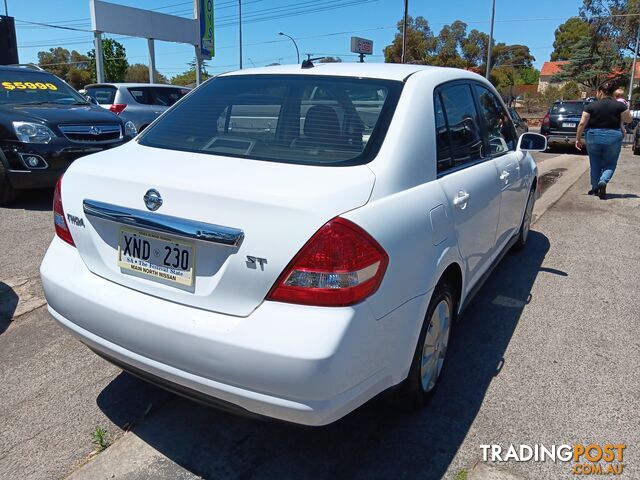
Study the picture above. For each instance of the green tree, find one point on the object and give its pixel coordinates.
(567, 35)
(139, 73)
(616, 20)
(570, 90)
(593, 63)
(188, 77)
(330, 60)
(474, 48)
(420, 43)
(73, 67)
(450, 42)
(528, 76)
(115, 60)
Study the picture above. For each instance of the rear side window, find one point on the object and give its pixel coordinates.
(463, 126)
(573, 108)
(443, 146)
(303, 119)
(499, 133)
(167, 96)
(102, 94)
(141, 95)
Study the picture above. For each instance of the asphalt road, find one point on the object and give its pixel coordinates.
(548, 352)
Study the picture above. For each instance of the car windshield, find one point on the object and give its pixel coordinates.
(574, 108)
(35, 88)
(304, 119)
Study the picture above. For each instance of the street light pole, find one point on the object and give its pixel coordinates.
(240, 29)
(404, 30)
(6, 10)
(294, 44)
(633, 66)
(493, 13)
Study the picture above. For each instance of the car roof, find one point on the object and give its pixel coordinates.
(133, 85)
(12, 68)
(384, 71)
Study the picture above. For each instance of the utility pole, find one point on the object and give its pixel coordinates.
(6, 10)
(99, 56)
(404, 30)
(493, 13)
(633, 66)
(240, 29)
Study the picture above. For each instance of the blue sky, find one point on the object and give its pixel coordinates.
(326, 31)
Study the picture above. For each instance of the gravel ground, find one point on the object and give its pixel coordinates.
(548, 352)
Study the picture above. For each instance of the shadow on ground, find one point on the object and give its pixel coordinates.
(376, 441)
(39, 200)
(8, 305)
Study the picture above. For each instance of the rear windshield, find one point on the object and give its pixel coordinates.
(35, 88)
(163, 96)
(102, 94)
(304, 119)
(567, 108)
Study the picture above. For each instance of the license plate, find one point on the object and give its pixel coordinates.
(156, 257)
(568, 125)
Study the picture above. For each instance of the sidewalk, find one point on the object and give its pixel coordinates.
(547, 353)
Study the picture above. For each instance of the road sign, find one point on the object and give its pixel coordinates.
(361, 46)
(205, 18)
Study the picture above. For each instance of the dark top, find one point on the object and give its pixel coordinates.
(605, 113)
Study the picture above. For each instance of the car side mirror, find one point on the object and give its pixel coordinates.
(532, 142)
(92, 100)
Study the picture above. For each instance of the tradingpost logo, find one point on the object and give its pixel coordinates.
(591, 459)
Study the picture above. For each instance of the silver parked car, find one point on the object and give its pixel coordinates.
(141, 103)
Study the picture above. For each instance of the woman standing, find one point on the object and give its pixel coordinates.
(603, 120)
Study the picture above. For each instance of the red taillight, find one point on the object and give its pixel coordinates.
(340, 265)
(62, 229)
(546, 120)
(117, 108)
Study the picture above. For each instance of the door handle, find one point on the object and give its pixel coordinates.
(504, 175)
(461, 200)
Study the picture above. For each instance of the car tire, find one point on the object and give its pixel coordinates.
(422, 381)
(7, 192)
(525, 227)
(636, 148)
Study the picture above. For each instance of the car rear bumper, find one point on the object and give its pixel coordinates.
(299, 364)
(561, 138)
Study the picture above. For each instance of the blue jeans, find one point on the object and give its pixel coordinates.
(603, 145)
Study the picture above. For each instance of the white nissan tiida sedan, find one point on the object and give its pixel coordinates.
(290, 242)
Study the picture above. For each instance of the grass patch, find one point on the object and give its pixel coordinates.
(100, 439)
(461, 475)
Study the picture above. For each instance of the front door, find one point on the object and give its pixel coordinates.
(500, 141)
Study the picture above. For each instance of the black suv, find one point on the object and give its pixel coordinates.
(560, 124)
(45, 125)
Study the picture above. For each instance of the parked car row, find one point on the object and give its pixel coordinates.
(45, 124)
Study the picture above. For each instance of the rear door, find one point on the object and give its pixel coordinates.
(140, 111)
(467, 177)
(500, 141)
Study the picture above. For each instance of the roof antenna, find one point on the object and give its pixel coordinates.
(308, 63)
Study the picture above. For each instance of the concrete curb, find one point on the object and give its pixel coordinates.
(568, 169)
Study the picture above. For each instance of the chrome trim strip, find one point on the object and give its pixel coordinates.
(228, 236)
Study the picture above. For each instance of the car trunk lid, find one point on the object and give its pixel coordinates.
(277, 207)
